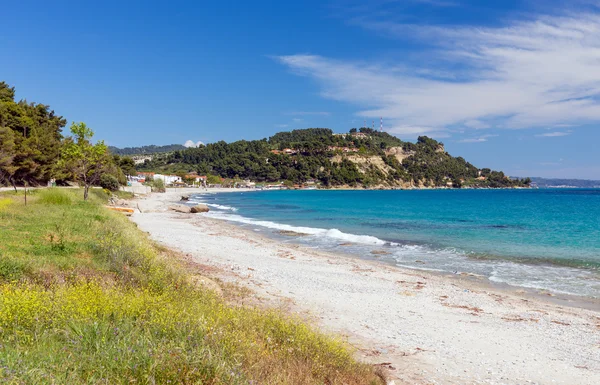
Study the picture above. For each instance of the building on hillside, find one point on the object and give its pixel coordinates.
(196, 178)
(140, 159)
(142, 177)
(168, 179)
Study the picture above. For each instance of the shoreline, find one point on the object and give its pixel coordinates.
(578, 269)
(430, 327)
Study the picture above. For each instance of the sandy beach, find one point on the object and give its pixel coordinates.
(424, 328)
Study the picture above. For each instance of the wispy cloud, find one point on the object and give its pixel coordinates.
(483, 138)
(297, 120)
(555, 134)
(281, 125)
(537, 73)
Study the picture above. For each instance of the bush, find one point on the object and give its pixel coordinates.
(158, 186)
(109, 182)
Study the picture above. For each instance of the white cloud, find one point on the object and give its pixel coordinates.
(297, 120)
(281, 125)
(537, 73)
(555, 134)
(191, 143)
(482, 138)
(476, 124)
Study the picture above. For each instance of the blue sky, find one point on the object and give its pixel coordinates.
(512, 85)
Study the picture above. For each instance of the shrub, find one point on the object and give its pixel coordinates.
(109, 182)
(159, 186)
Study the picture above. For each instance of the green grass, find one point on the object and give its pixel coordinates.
(86, 298)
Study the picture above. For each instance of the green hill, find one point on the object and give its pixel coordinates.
(360, 158)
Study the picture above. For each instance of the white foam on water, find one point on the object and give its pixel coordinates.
(221, 207)
(329, 233)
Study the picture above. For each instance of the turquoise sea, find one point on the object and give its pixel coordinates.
(545, 239)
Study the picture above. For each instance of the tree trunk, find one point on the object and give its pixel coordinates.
(86, 188)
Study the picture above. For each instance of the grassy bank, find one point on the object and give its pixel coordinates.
(85, 297)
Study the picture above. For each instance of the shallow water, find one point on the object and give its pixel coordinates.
(546, 239)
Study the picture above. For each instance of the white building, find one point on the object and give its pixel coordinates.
(168, 179)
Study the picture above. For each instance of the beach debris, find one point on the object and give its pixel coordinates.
(359, 269)
(418, 284)
(199, 208)
(125, 210)
(181, 208)
(289, 233)
(473, 309)
(520, 319)
(560, 323)
(185, 197)
(387, 365)
(380, 252)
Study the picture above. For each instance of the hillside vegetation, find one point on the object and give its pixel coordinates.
(86, 298)
(145, 150)
(361, 158)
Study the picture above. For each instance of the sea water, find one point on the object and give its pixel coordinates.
(544, 239)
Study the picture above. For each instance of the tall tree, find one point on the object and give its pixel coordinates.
(36, 136)
(86, 161)
(7, 154)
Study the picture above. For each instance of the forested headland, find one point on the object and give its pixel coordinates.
(360, 158)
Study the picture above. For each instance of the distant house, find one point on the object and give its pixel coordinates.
(168, 179)
(142, 176)
(196, 178)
